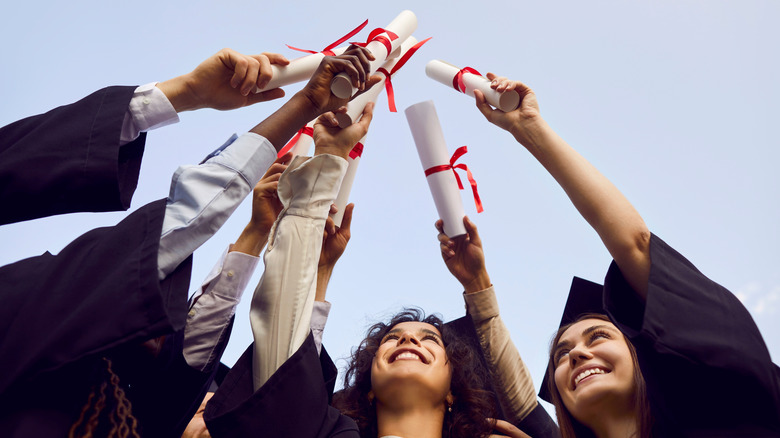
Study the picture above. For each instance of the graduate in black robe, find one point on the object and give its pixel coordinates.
(707, 371)
(101, 297)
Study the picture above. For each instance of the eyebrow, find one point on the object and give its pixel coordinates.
(426, 331)
(586, 332)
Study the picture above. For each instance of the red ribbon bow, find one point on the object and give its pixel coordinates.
(356, 151)
(458, 153)
(376, 35)
(457, 81)
(308, 130)
(396, 67)
(328, 51)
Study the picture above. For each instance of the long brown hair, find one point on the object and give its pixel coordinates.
(570, 427)
(472, 403)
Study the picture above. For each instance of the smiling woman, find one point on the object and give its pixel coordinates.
(414, 363)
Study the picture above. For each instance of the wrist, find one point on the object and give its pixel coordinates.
(179, 93)
(479, 283)
(529, 131)
(252, 240)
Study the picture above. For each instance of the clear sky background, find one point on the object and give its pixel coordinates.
(676, 102)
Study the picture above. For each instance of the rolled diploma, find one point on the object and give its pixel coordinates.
(444, 72)
(432, 149)
(304, 142)
(403, 25)
(298, 70)
(346, 186)
(356, 106)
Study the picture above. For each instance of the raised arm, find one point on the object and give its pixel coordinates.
(619, 225)
(511, 380)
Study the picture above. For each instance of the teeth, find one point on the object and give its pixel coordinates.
(407, 355)
(587, 373)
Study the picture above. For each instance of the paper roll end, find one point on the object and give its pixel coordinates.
(344, 120)
(341, 86)
(509, 101)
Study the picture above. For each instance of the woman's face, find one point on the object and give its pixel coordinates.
(411, 361)
(593, 369)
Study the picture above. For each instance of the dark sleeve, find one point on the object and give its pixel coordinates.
(69, 159)
(167, 396)
(292, 403)
(539, 424)
(101, 291)
(702, 356)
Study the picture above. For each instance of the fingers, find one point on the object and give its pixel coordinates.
(333, 209)
(264, 96)
(471, 229)
(276, 58)
(509, 429)
(483, 106)
(328, 120)
(366, 117)
(346, 220)
(439, 225)
(265, 73)
(330, 226)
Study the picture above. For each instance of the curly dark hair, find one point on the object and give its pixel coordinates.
(472, 401)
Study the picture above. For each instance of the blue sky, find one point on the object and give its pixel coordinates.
(674, 101)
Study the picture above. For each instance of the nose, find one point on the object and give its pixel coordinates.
(579, 354)
(408, 337)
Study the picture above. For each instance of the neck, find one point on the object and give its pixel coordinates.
(621, 426)
(410, 422)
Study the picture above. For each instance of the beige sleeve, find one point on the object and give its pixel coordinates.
(511, 378)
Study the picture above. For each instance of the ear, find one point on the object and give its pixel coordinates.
(450, 399)
(371, 397)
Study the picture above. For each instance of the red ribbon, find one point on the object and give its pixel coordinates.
(458, 153)
(308, 130)
(328, 51)
(376, 35)
(457, 81)
(396, 67)
(356, 151)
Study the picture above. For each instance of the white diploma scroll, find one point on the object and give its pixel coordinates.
(445, 73)
(356, 106)
(298, 70)
(432, 149)
(304, 142)
(403, 25)
(349, 178)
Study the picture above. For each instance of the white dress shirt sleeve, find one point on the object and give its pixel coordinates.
(149, 109)
(213, 307)
(319, 316)
(202, 197)
(283, 301)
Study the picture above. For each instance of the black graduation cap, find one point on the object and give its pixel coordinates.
(584, 297)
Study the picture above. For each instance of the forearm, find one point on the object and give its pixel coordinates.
(323, 278)
(511, 379)
(283, 301)
(208, 321)
(603, 206)
(202, 197)
(280, 126)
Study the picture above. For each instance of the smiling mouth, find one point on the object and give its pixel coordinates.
(587, 373)
(407, 355)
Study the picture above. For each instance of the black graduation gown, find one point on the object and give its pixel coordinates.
(294, 402)
(61, 313)
(69, 159)
(707, 369)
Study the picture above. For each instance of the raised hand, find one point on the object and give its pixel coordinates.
(265, 209)
(330, 139)
(224, 81)
(334, 242)
(508, 429)
(464, 257)
(354, 62)
(522, 122)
